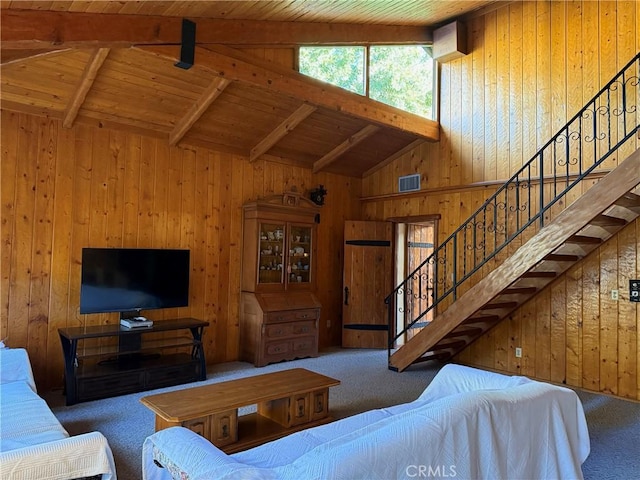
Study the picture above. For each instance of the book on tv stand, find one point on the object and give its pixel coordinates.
(136, 322)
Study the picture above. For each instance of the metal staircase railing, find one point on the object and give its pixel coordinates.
(531, 197)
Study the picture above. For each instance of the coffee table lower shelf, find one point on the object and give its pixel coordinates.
(254, 430)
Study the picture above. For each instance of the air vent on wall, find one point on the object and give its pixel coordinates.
(409, 183)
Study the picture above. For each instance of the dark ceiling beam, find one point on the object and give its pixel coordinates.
(31, 29)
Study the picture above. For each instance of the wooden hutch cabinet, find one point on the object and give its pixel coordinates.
(279, 314)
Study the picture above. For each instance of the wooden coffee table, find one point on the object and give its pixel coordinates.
(287, 401)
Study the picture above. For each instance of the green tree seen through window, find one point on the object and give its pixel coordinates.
(340, 66)
(401, 76)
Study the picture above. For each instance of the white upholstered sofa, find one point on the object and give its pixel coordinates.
(33, 444)
(467, 424)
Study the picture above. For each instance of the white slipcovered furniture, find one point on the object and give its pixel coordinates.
(467, 424)
(33, 444)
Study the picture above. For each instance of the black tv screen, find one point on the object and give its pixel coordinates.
(133, 279)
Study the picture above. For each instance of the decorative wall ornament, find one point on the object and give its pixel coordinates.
(317, 195)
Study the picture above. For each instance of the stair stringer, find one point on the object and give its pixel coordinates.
(553, 236)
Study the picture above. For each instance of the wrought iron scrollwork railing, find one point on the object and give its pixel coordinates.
(531, 197)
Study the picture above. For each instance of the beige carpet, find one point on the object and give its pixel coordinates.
(614, 425)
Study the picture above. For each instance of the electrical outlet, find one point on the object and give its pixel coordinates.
(328, 323)
(518, 352)
(614, 295)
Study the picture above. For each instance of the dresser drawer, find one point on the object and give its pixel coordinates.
(310, 314)
(280, 317)
(304, 328)
(278, 330)
(291, 315)
(277, 348)
(291, 329)
(306, 345)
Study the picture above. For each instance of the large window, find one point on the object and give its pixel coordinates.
(401, 76)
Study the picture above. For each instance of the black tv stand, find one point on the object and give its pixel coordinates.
(138, 361)
(129, 360)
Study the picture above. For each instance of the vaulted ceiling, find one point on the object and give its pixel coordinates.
(113, 64)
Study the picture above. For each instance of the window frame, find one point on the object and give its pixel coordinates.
(435, 103)
(401, 254)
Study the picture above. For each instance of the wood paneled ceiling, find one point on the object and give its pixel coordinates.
(381, 12)
(113, 64)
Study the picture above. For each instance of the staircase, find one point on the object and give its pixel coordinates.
(524, 236)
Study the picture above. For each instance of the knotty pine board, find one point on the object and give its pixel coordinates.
(555, 58)
(64, 189)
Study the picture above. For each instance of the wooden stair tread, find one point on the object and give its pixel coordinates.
(584, 240)
(433, 356)
(539, 275)
(499, 305)
(519, 291)
(629, 201)
(557, 257)
(464, 332)
(608, 221)
(482, 319)
(447, 345)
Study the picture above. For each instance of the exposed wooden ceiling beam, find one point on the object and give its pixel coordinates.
(86, 82)
(13, 105)
(197, 109)
(35, 29)
(345, 146)
(10, 57)
(393, 157)
(234, 65)
(281, 130)
(91, 119)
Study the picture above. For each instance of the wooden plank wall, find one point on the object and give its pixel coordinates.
(532, 66)
(64, 189)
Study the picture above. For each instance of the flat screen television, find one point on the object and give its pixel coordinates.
(128, 280)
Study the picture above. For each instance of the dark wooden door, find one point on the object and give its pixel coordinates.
(367, 280)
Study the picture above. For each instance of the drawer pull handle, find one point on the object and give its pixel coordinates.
(305, 315)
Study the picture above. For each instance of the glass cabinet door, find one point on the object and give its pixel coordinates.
(271, 254)
(299, 260)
